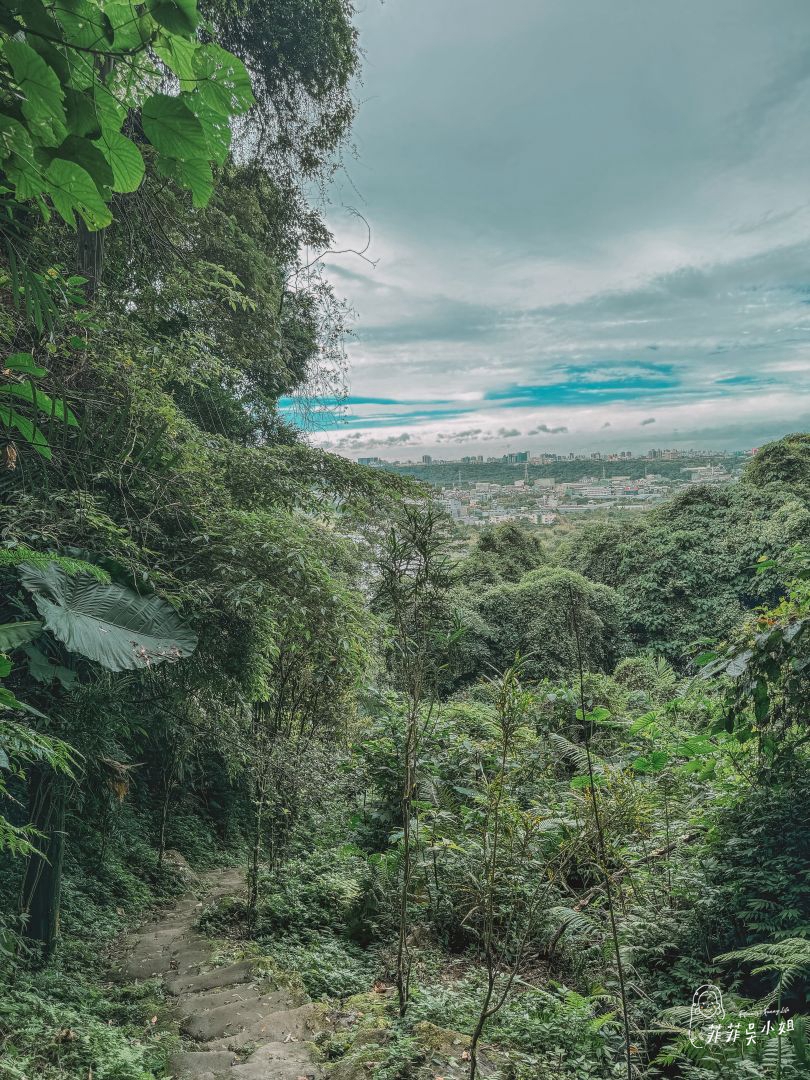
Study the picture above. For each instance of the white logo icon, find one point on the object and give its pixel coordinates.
(707, 1005)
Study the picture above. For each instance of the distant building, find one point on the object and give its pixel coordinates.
(427, 459)
(369, 461)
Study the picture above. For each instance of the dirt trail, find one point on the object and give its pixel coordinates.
(224, 1010)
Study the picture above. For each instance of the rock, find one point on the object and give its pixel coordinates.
(283, 1026)
(253, 1012)
(441, 1040)
(226, 1007)
(230, 883)
(227, 975)
(372, 1037)
(178, 863)
(279, 1061)
(200, 1064)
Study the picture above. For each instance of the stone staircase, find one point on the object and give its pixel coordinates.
(225, 1010)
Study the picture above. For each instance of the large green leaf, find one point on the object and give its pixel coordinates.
(124, 158)
(109, 624)
(223, 80)
(125, 22)
(40, 84)
(29, 431)
(91, 158)
(71, 188)
(45, 671)
(194, 174)
(172, 128)
(84, 24)
(81, 114)
(178, 16)
(24, 363)
(43, 403)
(217, 127)
(15, 139)
(14, 634)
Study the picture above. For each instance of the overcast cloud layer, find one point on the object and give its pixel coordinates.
(590, 222)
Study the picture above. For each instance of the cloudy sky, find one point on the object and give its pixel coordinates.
(590, 226)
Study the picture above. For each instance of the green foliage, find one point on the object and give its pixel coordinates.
(551, 1027)
(532, 618)
(500, 553)
(19, 555)
(785, 463)
(57, 1030)
(767, 662)
(106, 623)
(302, 58)
(328, 966)
(686, 573)
(73, 75)
(20, 746)
(17, 393)
(152, 468)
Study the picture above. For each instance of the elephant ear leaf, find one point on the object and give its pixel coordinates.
(109, 624)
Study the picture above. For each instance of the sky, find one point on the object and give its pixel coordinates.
(589, 227)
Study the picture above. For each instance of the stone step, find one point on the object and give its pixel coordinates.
(227, 975)
(282, 1026)
(226, 1021)
(160, 951)
(231, 883)
(277, 1061)
(192, 1004)
(189, 953)
(201, 1064)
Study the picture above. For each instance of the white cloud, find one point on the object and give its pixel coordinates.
(566, 194)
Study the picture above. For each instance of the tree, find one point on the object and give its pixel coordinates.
(500, 553)
(79, 102)
(312, 665)
(785, 463)
(505, 914)
(686, 572)
(412, 580)
(84, 617)
(531, 618)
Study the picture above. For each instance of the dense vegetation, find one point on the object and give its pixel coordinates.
(506, 807)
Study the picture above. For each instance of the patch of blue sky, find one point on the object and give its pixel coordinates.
(744, 380)
(386, 420)
(568, 393)
(654, 369)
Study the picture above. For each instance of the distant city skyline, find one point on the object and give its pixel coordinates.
(521, 457)
(589, 223)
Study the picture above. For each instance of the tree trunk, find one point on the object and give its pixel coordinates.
(483, 1016)
(254, 860)
(89, 256)
(42, 885)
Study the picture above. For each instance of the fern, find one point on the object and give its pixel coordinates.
(786, 959)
